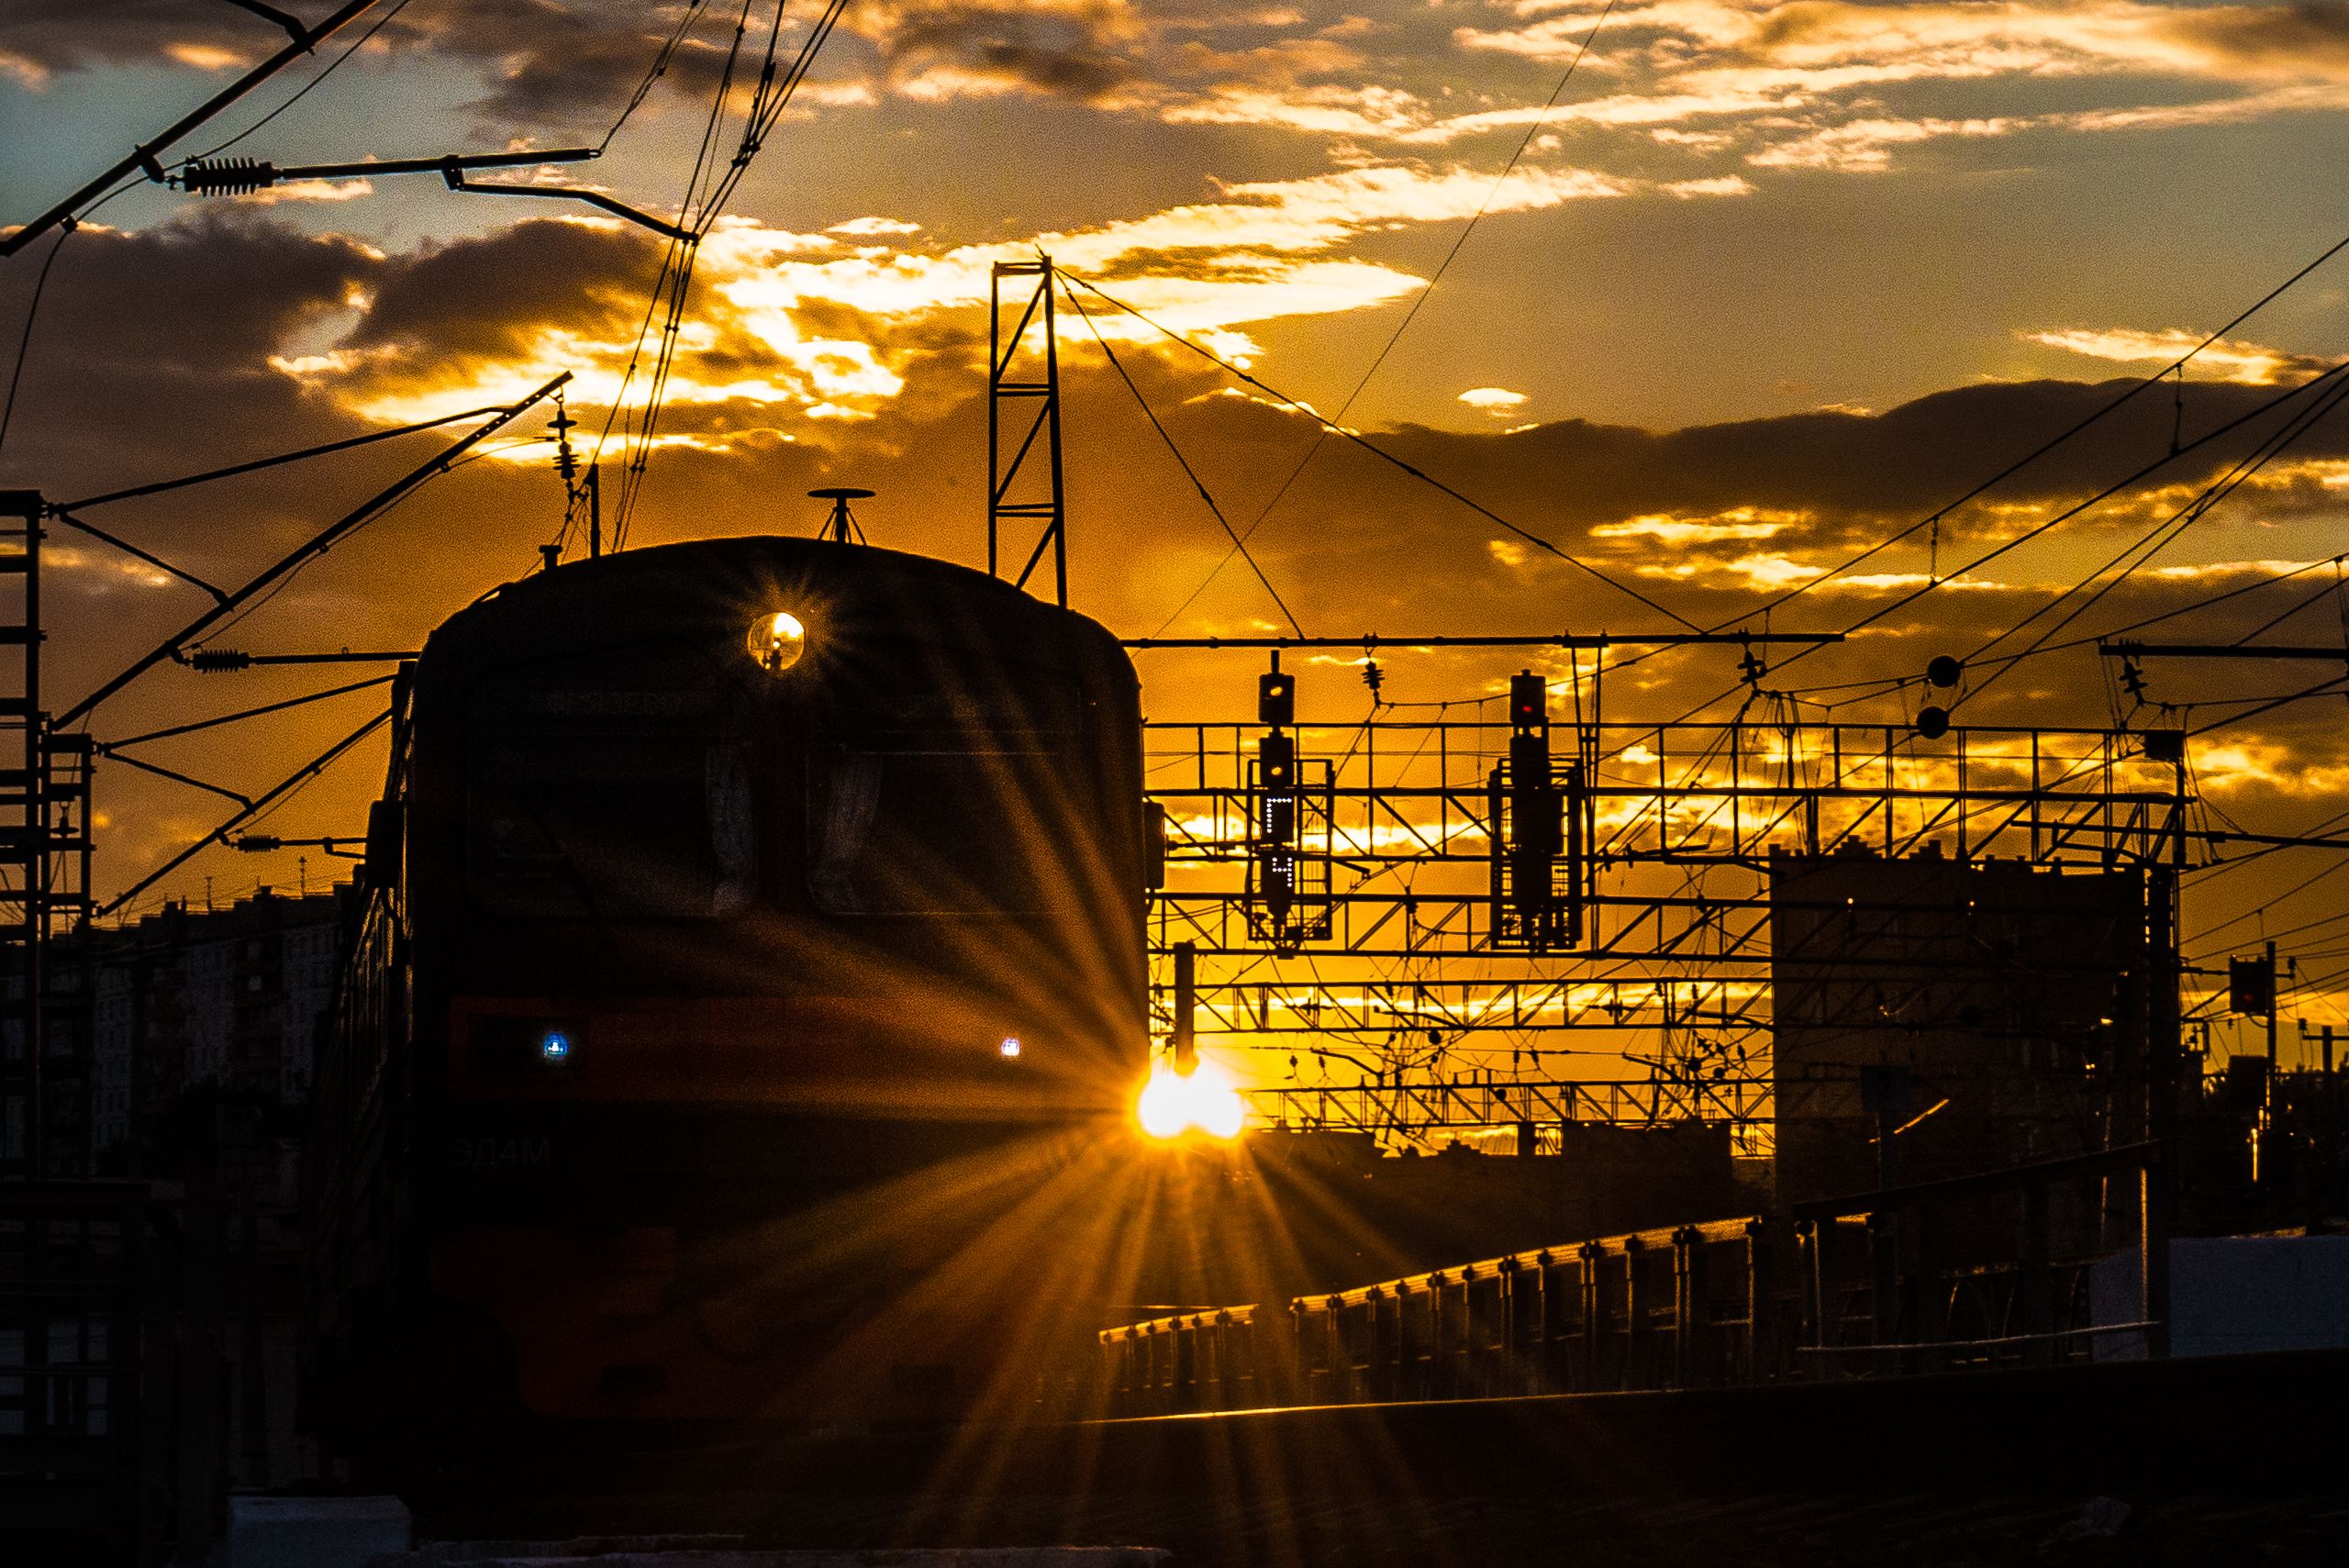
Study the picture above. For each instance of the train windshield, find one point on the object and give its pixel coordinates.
(610, 803)
(963, 808)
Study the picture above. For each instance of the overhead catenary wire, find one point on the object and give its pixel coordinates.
(699, 208)
(2006, 547)
(2164, 533)
(1189, 472)
(2060, 438)
(1459, 242)
(1380, 452)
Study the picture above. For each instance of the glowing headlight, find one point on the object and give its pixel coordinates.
(1171, 1104)
(777, 640)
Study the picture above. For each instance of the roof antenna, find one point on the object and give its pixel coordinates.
(840, 524)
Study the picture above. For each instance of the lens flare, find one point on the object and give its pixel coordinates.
(1173, 1104)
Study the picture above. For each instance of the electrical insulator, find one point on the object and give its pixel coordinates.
(212, 660)
(1750, 668)
(228, 177)
(258, 844)
(566, 462)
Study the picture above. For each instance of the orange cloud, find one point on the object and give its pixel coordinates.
(2232, 359)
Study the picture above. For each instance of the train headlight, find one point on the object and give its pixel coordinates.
(1202, 1100)
(776, 641)
(1009, 1049)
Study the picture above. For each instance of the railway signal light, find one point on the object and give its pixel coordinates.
(1529, 702)
(1276, 696)
(2250, 986)
(1536, 823)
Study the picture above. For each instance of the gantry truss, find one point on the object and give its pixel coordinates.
(1676, 828)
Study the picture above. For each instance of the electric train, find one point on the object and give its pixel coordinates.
(745, 1011)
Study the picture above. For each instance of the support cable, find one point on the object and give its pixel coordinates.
(256, 806)
(331, 67)
(327, 449)
(146, 156)
(1238, 543)
(1382, 454)
(108, 748)
(2169, 530)
(1460, 240)
(317, 544)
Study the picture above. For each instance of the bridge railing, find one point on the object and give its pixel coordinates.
(1847, 1287)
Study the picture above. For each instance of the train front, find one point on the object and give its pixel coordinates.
(779, 989)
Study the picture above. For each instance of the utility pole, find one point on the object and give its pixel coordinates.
(1187, 1002)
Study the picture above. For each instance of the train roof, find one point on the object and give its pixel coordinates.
(721, 583)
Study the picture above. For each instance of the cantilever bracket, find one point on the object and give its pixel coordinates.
(454, 173)
(291, 24)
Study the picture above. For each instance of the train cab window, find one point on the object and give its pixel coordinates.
(605, 803)
(949, 792)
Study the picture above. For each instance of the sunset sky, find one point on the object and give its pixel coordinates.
(1770, 283)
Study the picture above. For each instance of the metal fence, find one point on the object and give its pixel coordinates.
(1839, 1288)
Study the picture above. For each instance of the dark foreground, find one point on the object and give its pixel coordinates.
(2219, 1460)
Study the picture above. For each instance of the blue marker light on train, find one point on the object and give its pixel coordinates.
(554, 1045)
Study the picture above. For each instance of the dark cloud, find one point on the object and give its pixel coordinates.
(75, 35)
(569, 65)
(2312, 35)
(1085, 52)
(150, 350)
(491, 296)
(555, 66)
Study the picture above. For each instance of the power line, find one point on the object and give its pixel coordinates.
(2018, 541)
(2170, 529)
(1188, 473)
(1382, 454)
(2175, 366)
(1321, 433)
(660, 68)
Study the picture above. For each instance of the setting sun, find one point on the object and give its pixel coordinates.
(1204, 1100)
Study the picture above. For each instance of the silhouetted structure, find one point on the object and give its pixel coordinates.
(1933, 1017)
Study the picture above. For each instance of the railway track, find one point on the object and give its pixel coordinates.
(2067, 1463)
